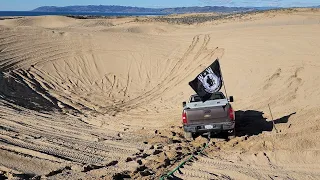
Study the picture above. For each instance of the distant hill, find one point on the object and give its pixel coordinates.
(129, 9)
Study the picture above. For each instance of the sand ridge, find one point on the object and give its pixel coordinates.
(101, 98)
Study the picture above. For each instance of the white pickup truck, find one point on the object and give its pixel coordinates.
(215, 115)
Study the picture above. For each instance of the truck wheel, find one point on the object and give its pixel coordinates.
(187, 135)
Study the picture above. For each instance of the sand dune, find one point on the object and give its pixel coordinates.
(101, 98)
(41, 21)
(138, 28)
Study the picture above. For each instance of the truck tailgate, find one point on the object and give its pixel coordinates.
(207, 115)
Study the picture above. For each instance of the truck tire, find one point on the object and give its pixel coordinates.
(187, 135)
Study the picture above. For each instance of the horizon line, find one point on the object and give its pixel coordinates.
(165, 7)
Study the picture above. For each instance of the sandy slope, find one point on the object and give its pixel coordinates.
(102, 98)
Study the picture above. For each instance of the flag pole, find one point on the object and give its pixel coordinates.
(224, 86)
(274, 126)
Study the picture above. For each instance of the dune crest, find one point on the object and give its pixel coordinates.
(41, 21)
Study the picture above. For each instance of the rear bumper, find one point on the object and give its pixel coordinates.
(217, 127)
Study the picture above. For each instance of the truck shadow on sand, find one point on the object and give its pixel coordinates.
(252, 122)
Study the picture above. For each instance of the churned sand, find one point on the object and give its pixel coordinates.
(102, 98)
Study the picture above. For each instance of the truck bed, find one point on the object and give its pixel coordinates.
(206, 115)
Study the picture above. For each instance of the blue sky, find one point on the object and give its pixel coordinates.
(10, 5)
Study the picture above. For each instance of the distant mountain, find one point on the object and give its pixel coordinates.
(91, 8)
(129, 9)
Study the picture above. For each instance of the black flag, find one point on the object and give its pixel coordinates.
(208, 82)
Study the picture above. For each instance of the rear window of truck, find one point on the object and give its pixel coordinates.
(215, 96)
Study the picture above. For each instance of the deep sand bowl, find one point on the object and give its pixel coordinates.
(95, 98)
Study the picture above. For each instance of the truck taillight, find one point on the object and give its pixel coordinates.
(184, 117)
(231, 113)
